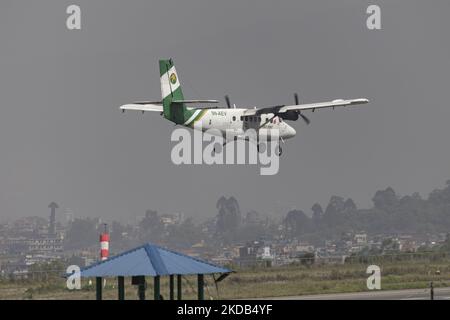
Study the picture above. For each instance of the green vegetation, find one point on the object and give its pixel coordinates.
(403, 273)
(391, 214)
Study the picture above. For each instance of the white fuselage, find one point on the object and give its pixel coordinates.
(232, 123)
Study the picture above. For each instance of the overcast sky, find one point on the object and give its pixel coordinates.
(63, 139)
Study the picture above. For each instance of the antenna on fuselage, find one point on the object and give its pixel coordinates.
(227, 99)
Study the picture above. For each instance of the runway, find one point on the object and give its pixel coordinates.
(409, 294)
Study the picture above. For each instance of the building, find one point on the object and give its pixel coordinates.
(247, 257)
(21, 245)
(45, 245)
(360, 239)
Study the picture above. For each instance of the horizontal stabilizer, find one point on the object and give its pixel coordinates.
(142, 107)
(195, 101)
(148, 102)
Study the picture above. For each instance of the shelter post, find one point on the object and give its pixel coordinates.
(141, 288)
(201, 283)
(98, 288)
(121, 287)
(179, 292)
(171, 287)
(156, 287)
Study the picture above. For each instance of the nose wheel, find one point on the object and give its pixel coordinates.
(279, 150)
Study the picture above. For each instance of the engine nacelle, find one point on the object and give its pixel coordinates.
(289, 115)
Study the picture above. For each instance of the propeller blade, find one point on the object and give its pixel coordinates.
(227, 99)
(307, 121)
(267, 121)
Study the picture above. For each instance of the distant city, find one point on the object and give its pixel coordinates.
(393, 226)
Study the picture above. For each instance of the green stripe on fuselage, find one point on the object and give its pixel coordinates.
(197, 118)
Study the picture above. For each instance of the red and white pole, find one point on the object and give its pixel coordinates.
(104, 245)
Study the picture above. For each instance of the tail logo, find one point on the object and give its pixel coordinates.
(173, 78)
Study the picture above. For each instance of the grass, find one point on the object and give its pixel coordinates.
(255, 283)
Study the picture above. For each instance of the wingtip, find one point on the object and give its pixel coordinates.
(361, 101)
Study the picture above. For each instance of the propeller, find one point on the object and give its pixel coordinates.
(267, 121)
(227, 99)
(307, 121)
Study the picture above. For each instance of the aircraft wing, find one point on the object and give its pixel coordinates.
(303, 107)
(138, 106)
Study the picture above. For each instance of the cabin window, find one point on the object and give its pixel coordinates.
(234, 118)
(246, 118)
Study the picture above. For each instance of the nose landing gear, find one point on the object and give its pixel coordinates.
(279, 150)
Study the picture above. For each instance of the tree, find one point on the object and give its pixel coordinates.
(385, 199)
(332, 216)
(317, 214)
(229, 216)
(151, 227)
(296, 223)
(349, 206)
(184, 235)
(307, 259)
(81, 234)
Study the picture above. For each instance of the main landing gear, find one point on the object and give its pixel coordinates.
(278, 149)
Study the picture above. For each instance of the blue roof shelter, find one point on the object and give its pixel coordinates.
(155, 261)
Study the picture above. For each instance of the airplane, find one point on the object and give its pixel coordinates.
(174, 107)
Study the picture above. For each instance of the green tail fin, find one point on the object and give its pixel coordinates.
(171, 91)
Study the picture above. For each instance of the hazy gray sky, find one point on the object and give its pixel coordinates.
(63, 139)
